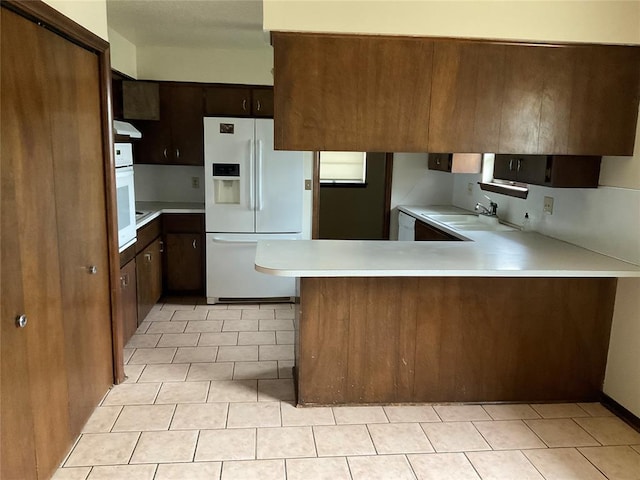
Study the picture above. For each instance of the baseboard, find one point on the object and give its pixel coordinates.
(631, 419)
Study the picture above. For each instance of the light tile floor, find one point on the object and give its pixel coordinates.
(209, 395)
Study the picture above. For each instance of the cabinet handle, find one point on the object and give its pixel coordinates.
(194, 244)
(259, 106)
(244, 105)
(177, 153)
(165, 153)
(437, 161)
(92, 269)
(519, 164)
(147, 257)
(125, 280)
(511, 165)
(21, 321)
(161, 246)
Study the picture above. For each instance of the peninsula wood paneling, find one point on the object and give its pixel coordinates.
(452, 339)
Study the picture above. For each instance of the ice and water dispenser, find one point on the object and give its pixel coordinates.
(226, 183)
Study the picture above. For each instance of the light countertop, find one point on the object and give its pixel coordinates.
(485, 254)
(153, 210)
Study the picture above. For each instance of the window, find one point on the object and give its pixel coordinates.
(343, 167)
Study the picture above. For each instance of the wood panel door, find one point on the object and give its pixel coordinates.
(34, 432)
(227, 101)
(466, 96)
(82, 225)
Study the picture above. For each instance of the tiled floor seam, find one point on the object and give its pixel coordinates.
(600, 444)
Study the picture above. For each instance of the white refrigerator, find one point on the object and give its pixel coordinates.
(252, 193)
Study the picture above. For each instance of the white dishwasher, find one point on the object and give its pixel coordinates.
(406, 227)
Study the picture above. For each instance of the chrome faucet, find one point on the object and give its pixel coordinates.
(492, 211)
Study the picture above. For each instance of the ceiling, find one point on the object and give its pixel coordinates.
(227, 24)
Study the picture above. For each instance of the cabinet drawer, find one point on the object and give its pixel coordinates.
(183, 222)
(147, 234)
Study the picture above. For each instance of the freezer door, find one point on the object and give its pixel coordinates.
(279, 184)
(231, 269)
(229, 150)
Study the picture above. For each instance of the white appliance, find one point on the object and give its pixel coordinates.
(406, 227)
(252, 193)
(125, 195)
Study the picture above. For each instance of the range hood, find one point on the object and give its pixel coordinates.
(126, 129)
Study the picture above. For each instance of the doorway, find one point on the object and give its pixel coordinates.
(354, 211)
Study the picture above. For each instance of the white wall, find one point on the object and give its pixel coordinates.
(622, 381)
(91, 14)
(168, 183)
(123, 54)
(206, 65)
(414, 184)
(598, 21)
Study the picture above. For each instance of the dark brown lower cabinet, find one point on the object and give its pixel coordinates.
(426, 233)
(149, 277)
(184, 256)
(128, 300)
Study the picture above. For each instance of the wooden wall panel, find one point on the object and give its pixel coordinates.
(453, 339)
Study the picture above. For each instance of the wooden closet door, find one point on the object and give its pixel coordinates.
(76, 144)
(34, 427)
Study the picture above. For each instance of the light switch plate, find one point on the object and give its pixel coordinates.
(307, 184)
(548, 205)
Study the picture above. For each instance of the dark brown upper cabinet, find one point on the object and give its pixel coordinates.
(604, 107)
(351, 93)
(536, 99)
(364, 93)
(238, 101)
(563, 171)
(466, 96)
(177, 138)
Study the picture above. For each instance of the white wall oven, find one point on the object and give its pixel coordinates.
(126, 199)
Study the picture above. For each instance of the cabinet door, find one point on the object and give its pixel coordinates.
(155, 145)
(532, 169)
(505, 167)
(184, 262)
(340, 92)
(34, 431)
(262, 102)
(536, 99)
(128, 300)
(440, 161)
(149, 278)
(466, 96)
(427, 233)
(227, 101)
(604, 106)
(184, 105)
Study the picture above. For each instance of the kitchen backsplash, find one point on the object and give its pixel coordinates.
(605, 220)
(168, 183)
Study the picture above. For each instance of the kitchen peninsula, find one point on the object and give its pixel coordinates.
(506, 316)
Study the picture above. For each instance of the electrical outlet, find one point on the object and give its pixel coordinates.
(195, 182)
(307, 184)
(469, 188)
(548, 205)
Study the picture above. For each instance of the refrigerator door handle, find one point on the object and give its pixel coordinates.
(259, 175)
(224, 240)
(252, 202)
